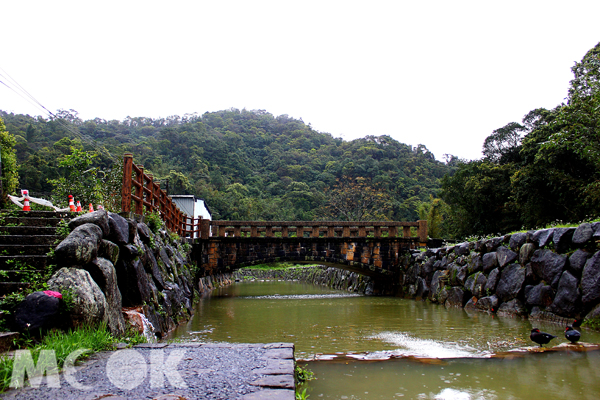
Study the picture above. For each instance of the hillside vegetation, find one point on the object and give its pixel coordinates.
(247, 165)
(252, 165)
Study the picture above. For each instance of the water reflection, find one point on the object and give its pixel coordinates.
(539, 376)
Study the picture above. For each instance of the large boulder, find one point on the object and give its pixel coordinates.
(88, 305)
(80, 246)
(456, 297)
(517, 240)
(542, 237)
(492, 281)
(437, 284)
(590, 281)
(488, 303)
(490, 261)
(458, 274)
(582, 234)
(562, 238)
(133, 283)
(475, 264)
(144, 232)
(104, 274)
(526, 252)
(37, 311)
(505, 256)
(566, 301)
(511, 282)
(548, 265)
(577, 261)
(109, 250)
(98, 218)
(513, 307)
(119, 229)
(539, 295)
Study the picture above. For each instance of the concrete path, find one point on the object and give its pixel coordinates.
(175, 371)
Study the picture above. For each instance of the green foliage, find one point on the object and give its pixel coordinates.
(78, 178)
(434, 212)
(94, 339)
(545, 169)
(10, 175)
(247, 165)
(62, 229)
(154, 222)
(356, 199)
(301, 395)
(303, 374)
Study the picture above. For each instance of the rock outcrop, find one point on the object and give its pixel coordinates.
(109, 262)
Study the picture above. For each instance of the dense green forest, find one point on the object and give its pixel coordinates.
(252, 165)
(245, 164)
(542, 170)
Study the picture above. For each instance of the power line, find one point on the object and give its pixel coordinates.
(23, 93)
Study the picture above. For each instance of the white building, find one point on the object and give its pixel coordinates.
(192, 207)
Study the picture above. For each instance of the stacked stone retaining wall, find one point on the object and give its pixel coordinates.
(331, 277)
(550, 274)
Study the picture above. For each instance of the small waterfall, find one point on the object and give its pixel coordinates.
(138, 320)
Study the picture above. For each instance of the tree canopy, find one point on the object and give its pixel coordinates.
(247, 165)
(544, 169)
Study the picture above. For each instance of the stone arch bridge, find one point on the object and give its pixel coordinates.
(375, 249)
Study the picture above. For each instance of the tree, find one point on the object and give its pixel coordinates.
(503, 145)
(356, 199)
(434, 212)
(478, 195)
(78, 179)
(8, 163)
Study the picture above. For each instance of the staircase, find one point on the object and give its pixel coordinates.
(26, 237)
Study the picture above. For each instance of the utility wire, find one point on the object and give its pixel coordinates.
(32, 100)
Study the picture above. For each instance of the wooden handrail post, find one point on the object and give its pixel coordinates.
(422, 232)
(126, 189)
(139, 192)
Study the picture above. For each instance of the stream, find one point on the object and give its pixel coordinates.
(371, 347)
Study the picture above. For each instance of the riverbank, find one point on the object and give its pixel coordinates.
(333, 278)
(175, 371)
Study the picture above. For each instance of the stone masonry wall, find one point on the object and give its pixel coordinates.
(109, 264)
(550, 274)
(331, 277)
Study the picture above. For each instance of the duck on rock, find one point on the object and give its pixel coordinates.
(540, 338)
(572, 334)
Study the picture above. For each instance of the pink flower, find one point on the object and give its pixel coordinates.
(53, 294)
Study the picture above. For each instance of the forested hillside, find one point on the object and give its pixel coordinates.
(245, 164)
(543, 169)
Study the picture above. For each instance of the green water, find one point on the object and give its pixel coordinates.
(428, 352)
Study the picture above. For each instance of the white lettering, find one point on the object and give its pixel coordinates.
(126, 369)
(159, 369)
(23, 362)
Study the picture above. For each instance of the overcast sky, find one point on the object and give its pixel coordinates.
(440, 73)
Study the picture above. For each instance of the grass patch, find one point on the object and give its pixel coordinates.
(93, 339)
(278, 266)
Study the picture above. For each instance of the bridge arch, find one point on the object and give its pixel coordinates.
(369, 248)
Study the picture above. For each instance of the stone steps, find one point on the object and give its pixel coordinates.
(26, 237)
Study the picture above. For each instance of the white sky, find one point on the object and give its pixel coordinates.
(441, 73)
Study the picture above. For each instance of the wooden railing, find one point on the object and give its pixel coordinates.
(329, 229)
(147, 195)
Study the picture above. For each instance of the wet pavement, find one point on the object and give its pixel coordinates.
(173, 371)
